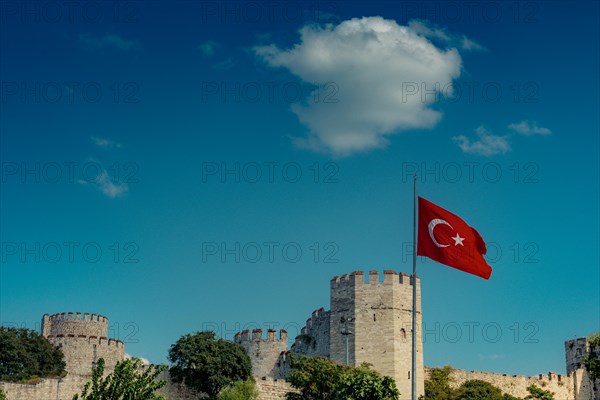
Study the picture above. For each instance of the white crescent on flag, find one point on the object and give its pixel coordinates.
(432, 224)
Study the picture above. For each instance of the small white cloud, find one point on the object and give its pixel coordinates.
(144, 361)
(208, 48)
(106, 185)
(109, 40)
(225, 64)
(361, 69)
(529, 128)
(487, 144)
(437, 33)
(105, 143)
(492, 357)
(110, 188)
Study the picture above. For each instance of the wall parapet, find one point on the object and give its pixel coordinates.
(372, 278)
(257, 336)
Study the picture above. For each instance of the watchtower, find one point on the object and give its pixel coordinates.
(371, 321)
(265, 354)
(83, 339)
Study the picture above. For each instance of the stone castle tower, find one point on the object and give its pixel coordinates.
(264, 354)
(369, 321)
(83, 339)
(575, 351)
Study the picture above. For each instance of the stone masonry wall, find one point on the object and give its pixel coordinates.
(516, 385)
(270, 389)
(74, 324)
(381, 327)
(314, 337)
(264, 354)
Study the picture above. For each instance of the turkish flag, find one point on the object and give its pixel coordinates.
(447, 239)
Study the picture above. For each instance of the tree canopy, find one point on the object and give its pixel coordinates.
(25, 354)
(129, 381)
(318, 378)
(207, 364)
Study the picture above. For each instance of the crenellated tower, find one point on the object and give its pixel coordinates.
(83, 339)
(267, 354)
(374, 318)
(575, 352)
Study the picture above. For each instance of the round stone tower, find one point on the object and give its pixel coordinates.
(84, 340)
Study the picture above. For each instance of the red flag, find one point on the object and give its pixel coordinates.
(447, 239)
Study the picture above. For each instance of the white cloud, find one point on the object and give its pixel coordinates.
(487, 144)
(529, 128)
(437, 33)
(105, 143)
(492, 357)
(225, 64)
(106, 185)
(208, 48)
(364, 65)
(110, 188)
(108, 40)
(144, 361)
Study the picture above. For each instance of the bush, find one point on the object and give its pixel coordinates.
(478, 390)
(240, 390)
(540, 394)
(437, 387)
(2, 395)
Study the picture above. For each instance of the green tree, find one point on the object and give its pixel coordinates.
(318, 378)
(207, 364)
(594, 339)
(240, 390)
(591, 361)
(129, 381)
(540, 394)
(25, 354)
(478, 390)
(437, 387)
(2, 394)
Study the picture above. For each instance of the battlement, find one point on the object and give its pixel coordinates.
(102, 341)
(74, 323)
(359, 278)
(257, 336)
(75, 316)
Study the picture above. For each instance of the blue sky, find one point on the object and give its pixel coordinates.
(180, 166)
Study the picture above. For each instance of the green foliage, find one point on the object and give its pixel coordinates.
(2, 394)
(437, 387)
(594, 339)
(318, 378)
(208, 365)
(478, 390)
(26, 355)
(592, 364)
(129, 381)
(540, 394)
(240, 390)
(591, 361)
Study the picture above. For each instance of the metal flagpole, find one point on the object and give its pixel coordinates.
(414, 304)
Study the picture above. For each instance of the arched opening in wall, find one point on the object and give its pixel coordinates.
(374, 318)
(403, 333)
(408, 374)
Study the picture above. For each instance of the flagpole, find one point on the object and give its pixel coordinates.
(414, 303)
